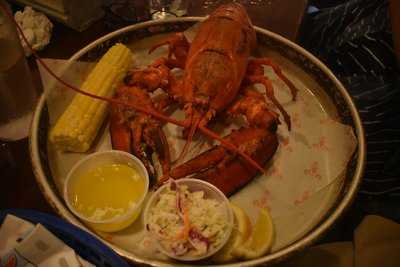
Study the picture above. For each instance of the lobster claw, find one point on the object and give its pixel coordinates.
(119, 131)
(139, 133)
(142, 140)
(149, 139)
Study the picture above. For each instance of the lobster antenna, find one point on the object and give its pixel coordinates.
(194, 125)
(155, 114)
(231, 147)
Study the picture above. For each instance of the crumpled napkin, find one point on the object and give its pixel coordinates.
(36, 27)
(24, 244)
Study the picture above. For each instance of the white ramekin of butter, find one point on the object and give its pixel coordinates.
(106, 190)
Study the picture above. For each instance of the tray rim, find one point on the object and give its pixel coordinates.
(314, 234)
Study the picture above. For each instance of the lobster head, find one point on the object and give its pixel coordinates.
(217, 59)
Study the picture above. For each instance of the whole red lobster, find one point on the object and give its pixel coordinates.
(217, 74)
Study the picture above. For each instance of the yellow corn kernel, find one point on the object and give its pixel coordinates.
(77, 127)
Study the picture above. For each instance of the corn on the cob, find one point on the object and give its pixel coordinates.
(77, 127)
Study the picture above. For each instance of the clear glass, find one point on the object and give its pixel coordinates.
(211, 4)
(162, 9)
(18, 95)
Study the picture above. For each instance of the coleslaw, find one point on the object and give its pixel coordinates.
(186, 223)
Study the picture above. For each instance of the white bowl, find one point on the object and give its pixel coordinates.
(210, 192)
(95, 160)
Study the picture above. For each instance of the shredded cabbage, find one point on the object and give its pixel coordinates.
(207, 221)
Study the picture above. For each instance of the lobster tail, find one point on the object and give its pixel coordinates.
(225, 170)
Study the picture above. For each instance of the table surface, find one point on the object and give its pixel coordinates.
(20, 190)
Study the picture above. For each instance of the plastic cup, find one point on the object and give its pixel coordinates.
(210, 192)
(95, 160)
(18, 95)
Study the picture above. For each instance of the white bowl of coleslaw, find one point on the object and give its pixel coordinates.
(191, 219)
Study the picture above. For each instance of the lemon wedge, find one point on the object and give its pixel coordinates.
(240, 234)
(260, 240)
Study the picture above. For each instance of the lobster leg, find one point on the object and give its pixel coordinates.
(255, 74)
(254, 67)
(150, 78)
(178, 47)
(158, 74)
(253, 106)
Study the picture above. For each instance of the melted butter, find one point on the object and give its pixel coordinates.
(106, 191)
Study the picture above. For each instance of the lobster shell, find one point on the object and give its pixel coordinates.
(235, 173)
(218, 57)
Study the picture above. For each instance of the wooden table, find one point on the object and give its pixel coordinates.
(19, 188)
